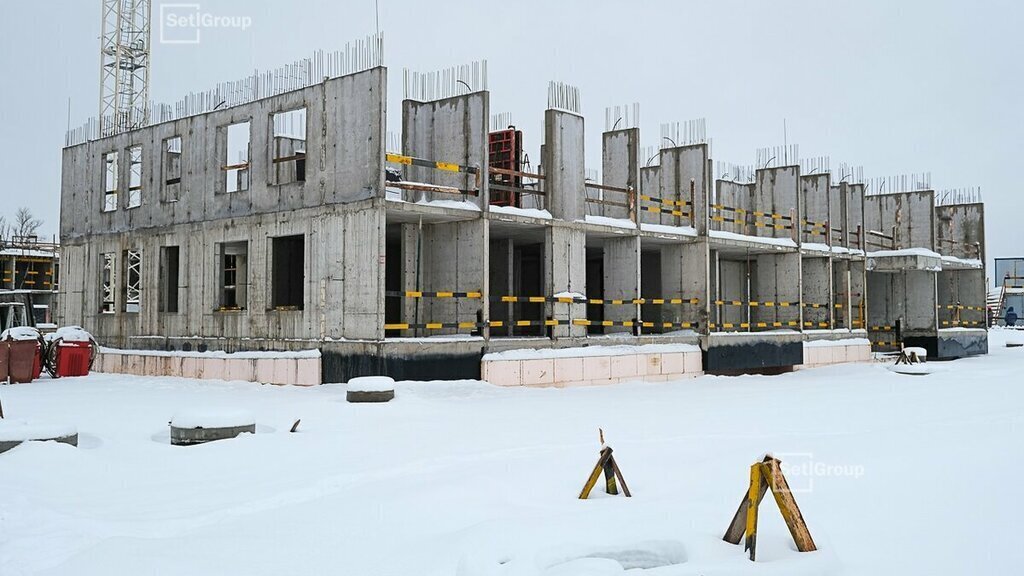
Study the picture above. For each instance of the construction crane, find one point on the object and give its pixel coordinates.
(124, 65)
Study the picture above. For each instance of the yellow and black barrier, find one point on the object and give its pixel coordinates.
(670, 211)
(961, 307)
(548, 322)
(963, 322)
(438, 294)
(751, 325)
(413, 161)
(808, 324)
(596, 301)
(755, 303)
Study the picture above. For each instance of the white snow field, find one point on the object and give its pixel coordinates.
(894, 475)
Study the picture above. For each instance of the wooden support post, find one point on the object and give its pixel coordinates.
(752, 501)
(787, 505)
(605, 465)
(764, 475)
(739, 521)
(596, 473)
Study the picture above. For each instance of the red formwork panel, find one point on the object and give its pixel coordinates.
(505, 150)
(73, 358)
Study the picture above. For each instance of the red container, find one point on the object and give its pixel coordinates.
(25, 362)
(73, 358)
(5, 352)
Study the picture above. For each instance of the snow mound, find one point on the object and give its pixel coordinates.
(71, 334)
(371, 384)
(20, 333)
(921, 352)
(23, 430)
(213, 418)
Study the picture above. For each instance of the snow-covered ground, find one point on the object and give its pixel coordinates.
(894, 475)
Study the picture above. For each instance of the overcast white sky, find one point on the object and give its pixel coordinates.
(894, 86)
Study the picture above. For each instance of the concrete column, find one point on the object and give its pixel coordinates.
(502, 261)
(565, 271)
(564, 163)
(621, 279)
(620, 166)
(411, 272)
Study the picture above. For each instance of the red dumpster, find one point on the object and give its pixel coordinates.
(25, 360)
(73, 358)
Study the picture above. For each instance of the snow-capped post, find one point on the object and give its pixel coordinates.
(606, 465)
(764, 475)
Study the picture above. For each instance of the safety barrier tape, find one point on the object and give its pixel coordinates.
(754, 213)
(963, 323)
(660, 210)
(421, 294)
(753, 324)
(818, 324)
(446, 166)
(550, 322)
(753, 303)
(961, 307)
(665, 201)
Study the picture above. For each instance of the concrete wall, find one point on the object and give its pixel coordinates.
(816, 208)
(343, 280)
(960, 231)
(961, 298)
(817, 290)
(684, 274)
(621, 280)
(564, 164)
(734, 195)
(333, 209)
(344, 165)
(777, 279)
(452, 130)
(620, 167)
(777, 191)
(453, 261)
(684, 176)
(908, 298)
(909, 214)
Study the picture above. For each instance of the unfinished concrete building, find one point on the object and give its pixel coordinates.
(283, 223)
(926, 274)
